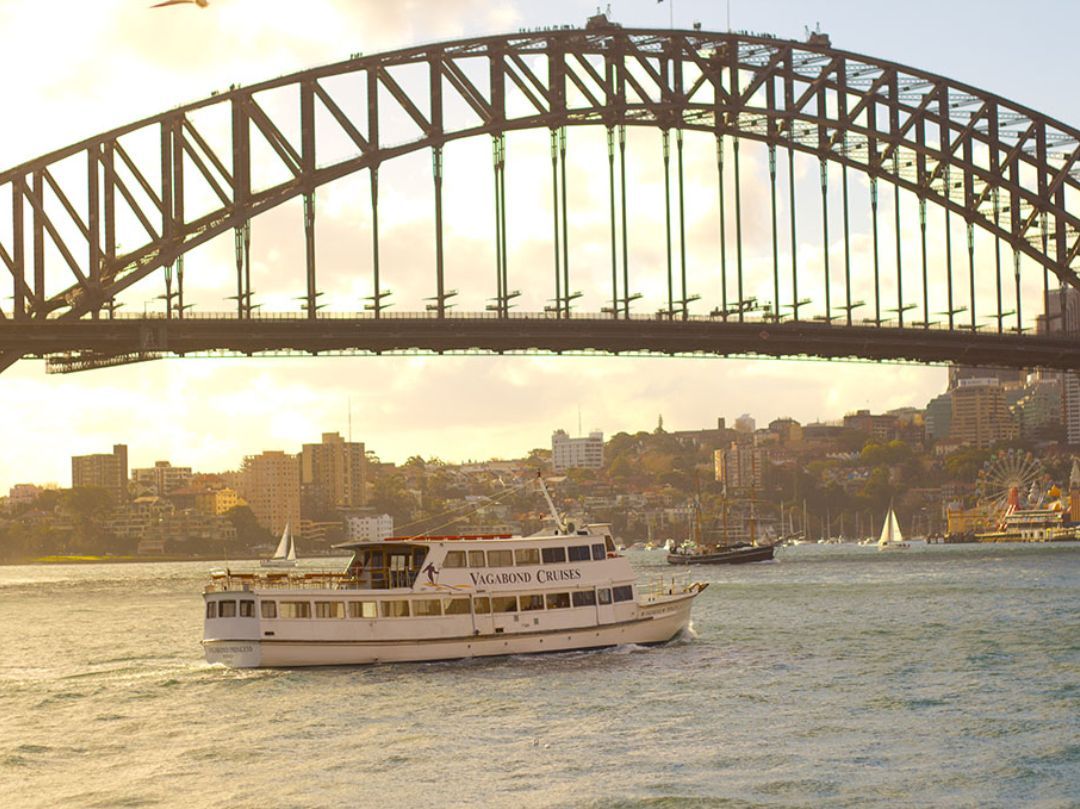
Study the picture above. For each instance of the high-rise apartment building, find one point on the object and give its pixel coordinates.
(108, 472)
(741, 467)
(939, 417)
(270, 483)
(577, 453)
(333, 474)
(162, 477)
(980, 415)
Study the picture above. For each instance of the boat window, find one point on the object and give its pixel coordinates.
(295, 609)
(425, 607)
(527, 556)
(362, 609)
(603, 595)
(247, 609)
(394, 609)
(418, 557)
(454, 559)
(504, 604)
(554, 556)
(376, 559)
(500, 559)
(598, 552)
(609, 543)
(227, 609)
(481, 604)
(455, 606)
(476, 559)
(623, 593)
(532, 602)
(579, 553)
(211, 609)
(584, 598)
(558, 601)
(269, 609)
(329, 609)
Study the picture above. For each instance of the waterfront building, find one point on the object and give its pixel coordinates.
(882, 428)
(162, 478)
(1040, 407)
(980, 416)
(270, 483)
(333, 474)
(109, 472)
(577, 453)
(788, 431)
(741, 467)
(368, 526)
(939, 417)
(23, 494)
(218, 501)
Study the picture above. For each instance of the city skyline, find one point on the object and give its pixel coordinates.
(212, 410)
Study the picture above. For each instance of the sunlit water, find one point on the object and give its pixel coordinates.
(835, 676)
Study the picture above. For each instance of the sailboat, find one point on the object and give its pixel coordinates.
(285, 555)
(891, 537)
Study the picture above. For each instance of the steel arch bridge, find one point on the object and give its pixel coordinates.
(999, 168)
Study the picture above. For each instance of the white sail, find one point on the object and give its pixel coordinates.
(890, 532)
(291, 555)
(285, 548)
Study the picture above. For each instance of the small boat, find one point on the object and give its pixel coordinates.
(737, 554)
(891, 537)
(285, 555)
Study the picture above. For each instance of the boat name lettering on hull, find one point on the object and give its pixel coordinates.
(525, 577)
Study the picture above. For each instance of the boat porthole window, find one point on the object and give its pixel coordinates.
(527, 556)
(500, 559)
(269, 609)
(211, 609)
(532, 602)
(504, 604)
(476, 559)
(455, 606)
(454, 559)
(295, 609)
(329, 609)
(603, 595)
(598, 552)
(580, 553)
(584, 598)
(426, 607)
(394, 609)
(362, 609)
(482, 605)
(554, 556)
(227, 609)
(558, 601)
(247, 609)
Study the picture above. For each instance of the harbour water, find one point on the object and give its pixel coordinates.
(835, 676)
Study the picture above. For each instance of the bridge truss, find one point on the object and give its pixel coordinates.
(996, 166)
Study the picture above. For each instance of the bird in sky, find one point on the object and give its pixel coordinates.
(199, 3)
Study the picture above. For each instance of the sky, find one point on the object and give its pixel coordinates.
(113, 61)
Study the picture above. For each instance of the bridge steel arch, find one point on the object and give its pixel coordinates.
(997, 165)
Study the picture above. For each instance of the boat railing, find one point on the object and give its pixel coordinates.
(666, 586)
(229, 581)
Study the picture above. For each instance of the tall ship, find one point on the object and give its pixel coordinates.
(424, 598)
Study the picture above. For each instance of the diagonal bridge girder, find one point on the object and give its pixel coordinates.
(1000, 166)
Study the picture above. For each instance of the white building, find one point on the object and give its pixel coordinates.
(577, 453)
(368, 527)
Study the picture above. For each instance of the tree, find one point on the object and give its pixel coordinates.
(248, 530)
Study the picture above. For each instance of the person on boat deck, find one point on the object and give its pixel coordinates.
(432, 572)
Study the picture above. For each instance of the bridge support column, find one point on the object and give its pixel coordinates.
(685, 302)
(795, 302)
(775, 236)
(900, 307)
(666, 139)
(440, 281)
(555, 220)
(948, 249)
(565, 223)
(242, 247)
(925, 272)
(971, 271)
(611, 199)
(309, 249)
(824, 170)
(738, 234)
(1016, 275)
(997, 259)
(877, 257)
(500, 223)
(848, 306)
(723, 225)
(625, 248)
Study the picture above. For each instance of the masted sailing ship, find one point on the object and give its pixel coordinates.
(444, 597)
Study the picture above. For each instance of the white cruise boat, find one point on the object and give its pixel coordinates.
(441, 598)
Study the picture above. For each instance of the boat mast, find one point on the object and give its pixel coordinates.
(559, 524)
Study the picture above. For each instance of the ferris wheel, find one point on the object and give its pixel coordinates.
(1006, 472)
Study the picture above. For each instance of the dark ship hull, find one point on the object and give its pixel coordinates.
(727, 556)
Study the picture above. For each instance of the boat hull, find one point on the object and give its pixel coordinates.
(735, 556)
(657, 623)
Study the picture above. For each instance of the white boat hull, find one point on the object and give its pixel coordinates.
(656, 623)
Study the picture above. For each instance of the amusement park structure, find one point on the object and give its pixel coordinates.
(997, 181)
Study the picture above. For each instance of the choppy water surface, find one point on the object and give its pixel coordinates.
(835, 676)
